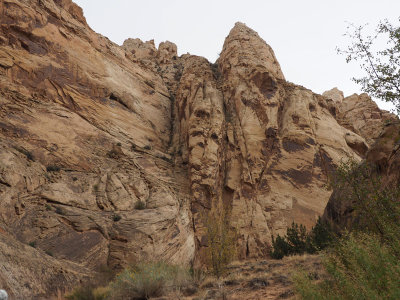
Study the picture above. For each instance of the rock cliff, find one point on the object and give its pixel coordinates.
(113, 154)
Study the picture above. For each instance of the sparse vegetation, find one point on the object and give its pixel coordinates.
(59, 211)
(32, 244)
(221, 249)
(139, 281)
(89, 292)
(381, 66)
(139, 205)
(363, 264)
(360, 266)
(147, 147)
(298, 241)
(116, 218)
(53, 168)
(145, 280)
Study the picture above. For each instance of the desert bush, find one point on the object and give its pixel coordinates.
(53, 168)
(116, 217)
(145, 280)
(221, 248)
(95, 289)
(60, 211)
(140, 205)
(320, 237)
(359, 267)
(374, 203)
(363, 264)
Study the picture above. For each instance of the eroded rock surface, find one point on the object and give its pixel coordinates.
(362, 116)
(85, 133)
(113, 154)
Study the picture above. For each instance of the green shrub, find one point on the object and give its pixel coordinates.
(140, 205)
(359, 267)
(146, 280)
(363, 264)
(33, 244)
(280, 247)
(59, 211)
(53, 168)
(116, 218)
(298, 241)
(374, 203)
(320, 237)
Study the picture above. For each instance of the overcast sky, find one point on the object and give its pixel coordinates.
(303, 34)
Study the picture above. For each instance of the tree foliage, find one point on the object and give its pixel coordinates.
(221, 237)
(363, 264)
(374, 202)
(381, 65)
(298, 241)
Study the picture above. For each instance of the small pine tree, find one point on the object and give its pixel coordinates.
(298, 241)
(280, 247)
(320, 236)
(297, 238)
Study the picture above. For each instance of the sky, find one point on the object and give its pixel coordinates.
(304, 34)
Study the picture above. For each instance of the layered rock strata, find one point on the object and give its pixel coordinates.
(112, 154)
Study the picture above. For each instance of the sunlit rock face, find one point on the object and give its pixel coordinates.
(112, 154)
(361, 115)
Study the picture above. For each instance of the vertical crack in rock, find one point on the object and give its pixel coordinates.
(113, 154)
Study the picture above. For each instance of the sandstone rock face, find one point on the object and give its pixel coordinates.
(278, 145)
(334, 94)
(85, 133)
(113, 154)
(361, 115)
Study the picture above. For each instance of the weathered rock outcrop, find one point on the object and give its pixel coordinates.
(384, 160)
(270, 159)
(361, 115)
(85, 133)
(112, 154)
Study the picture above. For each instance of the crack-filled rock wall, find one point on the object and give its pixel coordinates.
(111, 155)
